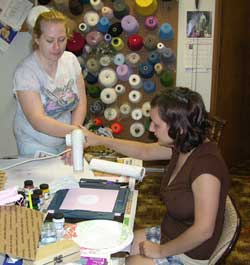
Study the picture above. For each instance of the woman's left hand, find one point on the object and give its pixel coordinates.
(67, 157)
(150, 249)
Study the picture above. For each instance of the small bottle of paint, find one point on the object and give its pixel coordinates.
(58, 221)
(28, 186)
(40, 194)
(45, 189)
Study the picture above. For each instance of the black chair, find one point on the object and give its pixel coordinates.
(217, 125)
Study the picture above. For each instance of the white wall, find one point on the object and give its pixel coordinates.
(8, 61)
(200, 80)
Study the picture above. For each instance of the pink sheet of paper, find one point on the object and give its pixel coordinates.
(90, 200)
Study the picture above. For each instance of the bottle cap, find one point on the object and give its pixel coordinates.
(44, 186)
(28, 182)
(58, 215)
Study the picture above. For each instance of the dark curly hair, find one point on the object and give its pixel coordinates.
(184, 112)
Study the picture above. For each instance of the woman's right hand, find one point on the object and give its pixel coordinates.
(91, 139)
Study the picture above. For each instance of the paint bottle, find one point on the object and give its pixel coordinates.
(58, 221)
(45, 189)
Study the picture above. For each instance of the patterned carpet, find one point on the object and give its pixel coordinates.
(150, 209)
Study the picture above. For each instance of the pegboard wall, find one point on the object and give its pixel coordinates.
(121, 75)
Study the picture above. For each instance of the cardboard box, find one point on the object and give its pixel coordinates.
(63, 251)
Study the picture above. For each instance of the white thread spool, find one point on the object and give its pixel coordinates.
(110, 114)
(107, 12)
(135, 96)
(125, 109)
(105, 60)
(133, 59)
(91, 18)
(136, 114)
(120, 89)
(108, 96)
(161, 48)
(84, 28)
(96, 4)
(135, 81)
(137, 129)
(107, 77)
(146, 107)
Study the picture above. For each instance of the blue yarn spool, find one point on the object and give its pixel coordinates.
(91, 78)
(119, 59)
(149, 86)
(166, 32)
(146, 70)
(154, 57)
(103, 24)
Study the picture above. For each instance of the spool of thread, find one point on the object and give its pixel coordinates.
(107, 38)
(117, 43)
(120, 89)
(93, 65)
(147, 124)
(91, 18)
(151, 22)
(153, 57)
(107, 12)
(93, 38)
(146, 7)
(97, 107)
(130, 24)
(168, 56)
(76, 43)
(110, 114)
(166, 32)
(135, 42)
(137, 129)
(166, 78)
(158, 68)
(119, 59)
(161, 48)
(96, 4)
(149, 86)
(93, 91)
(75, 7)
(133, 59)
(108, 96)
(146, 70)
(107, 77)
(84, 28)
(103, 24)
(136, 114)
(116, 128)
(115, 29)
(91, 78)
(120, 9)
(135, 81)
(125, 109)
(150, 42)
(146, 107)
(87, 48)
(123, 72)
(105, 60)
(134, 96)
(98, 122)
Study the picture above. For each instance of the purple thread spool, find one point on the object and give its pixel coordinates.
(123, 72)
(130, 25)
(151, 22)
(107, 37)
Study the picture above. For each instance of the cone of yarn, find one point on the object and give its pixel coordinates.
(146, 7)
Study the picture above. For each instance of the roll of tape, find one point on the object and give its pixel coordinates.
(146, 7)
(107, 77)
(154, 57)
(166, 78)
(130, 24)
(108, 96)
(84, 28)
(119, 59)
(149, 86)
(146, 70)
(137, 129)
(134, 96)
(120, 9)
(107, 12)
(97, 107)
(94, 38)
(133, 59)
(161, 48)
(93, 65)
(135, 81)
(125, 109)
(91, 18)
(103, 24)
(146, 107)
(117, 43)
(123, 72)
(96, 4)
(115, 29)
(105, 60)
(166, 32)
(150, 42)
(110, 114)
(120, 89)
(116, 128)
(93, 91)
(151, 22)
(136, 114)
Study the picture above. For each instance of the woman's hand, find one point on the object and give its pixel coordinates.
(91, 139)
(150, 250)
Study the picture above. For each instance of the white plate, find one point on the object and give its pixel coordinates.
(101, 235)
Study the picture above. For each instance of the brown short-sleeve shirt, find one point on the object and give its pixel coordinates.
(178, 196)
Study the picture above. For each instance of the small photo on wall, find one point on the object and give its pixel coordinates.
(199, 24)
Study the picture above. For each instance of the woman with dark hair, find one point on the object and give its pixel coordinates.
(194, 188)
